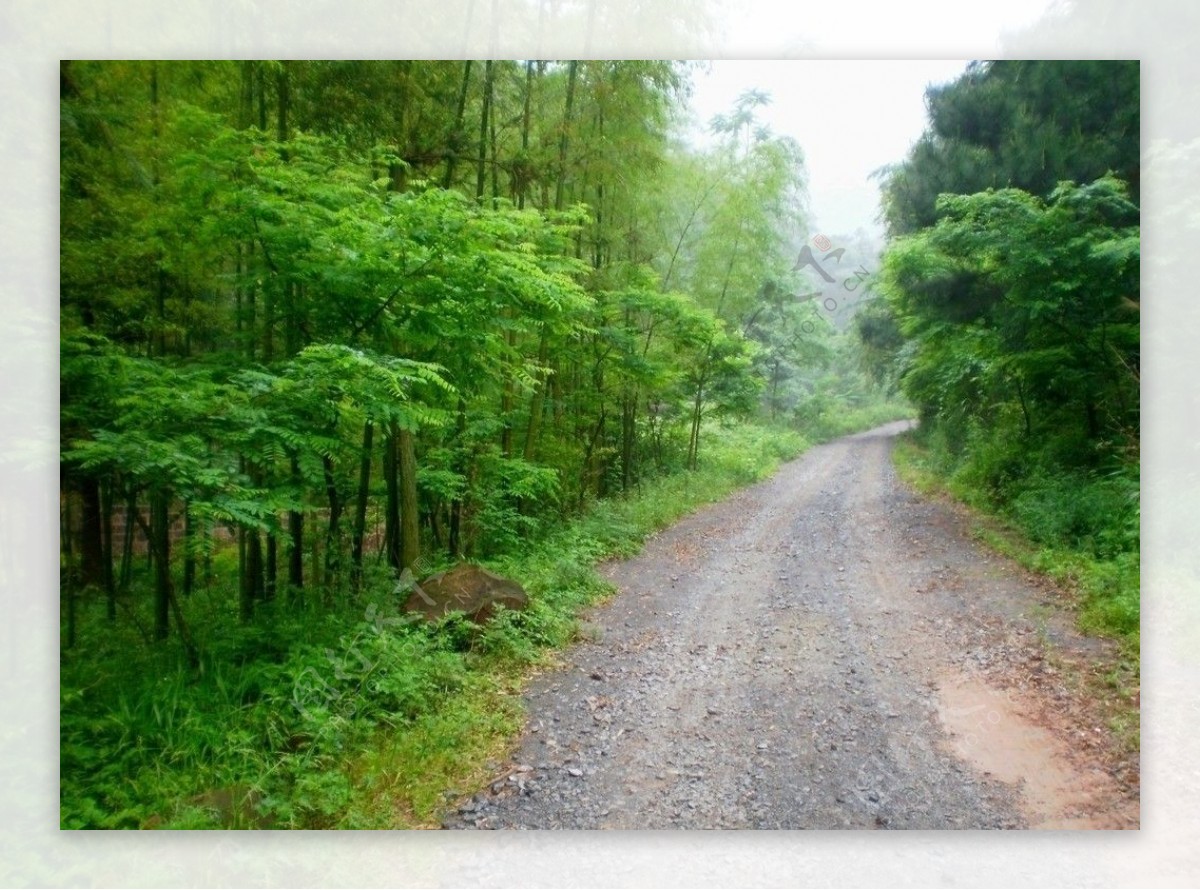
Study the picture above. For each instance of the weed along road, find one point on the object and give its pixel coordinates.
(826, 649)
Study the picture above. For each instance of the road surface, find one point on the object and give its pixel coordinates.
(825, 649)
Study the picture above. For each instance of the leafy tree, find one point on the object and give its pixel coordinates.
(1011, 314)
(1020, 124)
(1053, 326)
(324, 322)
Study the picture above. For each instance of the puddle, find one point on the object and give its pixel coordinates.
(986, 728)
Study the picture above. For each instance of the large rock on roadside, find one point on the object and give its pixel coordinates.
(465, 588)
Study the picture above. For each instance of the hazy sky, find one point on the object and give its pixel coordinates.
(850, 118)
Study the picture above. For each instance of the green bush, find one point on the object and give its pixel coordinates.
(822, 417)
(1094, 515)
(287, 705)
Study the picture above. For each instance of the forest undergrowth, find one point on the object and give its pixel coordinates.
(366, 718)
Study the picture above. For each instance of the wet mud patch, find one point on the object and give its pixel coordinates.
(998, 734)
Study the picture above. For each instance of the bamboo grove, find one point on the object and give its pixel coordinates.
(320, 317)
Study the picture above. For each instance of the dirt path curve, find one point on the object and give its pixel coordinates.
(822, 650)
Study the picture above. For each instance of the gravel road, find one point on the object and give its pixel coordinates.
(825, 649)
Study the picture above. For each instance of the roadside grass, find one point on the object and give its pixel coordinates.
(828, 425)
(404, 778)
(1103, 592)
(468, 740)
(365, 719)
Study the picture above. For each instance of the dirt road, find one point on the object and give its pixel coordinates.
(823, 650)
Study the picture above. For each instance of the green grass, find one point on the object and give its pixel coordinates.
(356, 717)
(843, 420)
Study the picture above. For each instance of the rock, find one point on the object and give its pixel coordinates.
(466, 588)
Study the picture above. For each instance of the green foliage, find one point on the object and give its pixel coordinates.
(1048, 351)
(316, 333)
(1024, 124)
(142, 736)
(1099, 516)
(511, 482)
(1015, 290)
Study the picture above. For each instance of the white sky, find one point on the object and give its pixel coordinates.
(852, 117)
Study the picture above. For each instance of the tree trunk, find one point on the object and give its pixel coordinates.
(522, 183)
(585, 468)
(251, 311)
(333, 550)
(1024, 407)
(246, 94)
(245, 589)
(1093, 418)
(314, 570)
(207, 562)
(564, 138)
(775, 377)
(481, 169)
(456, 506)
(392, 507)
(265, 589)
(537, 402)
(126, 573)
(254, 566)
(72, 600)
(436, 529)
(456, 135)
(189, 551)
(106, 511)
(69, 586)
(160, 548)
(91, 535)
(398, 171)
(165, 603)
(293, 301)
(268, 332)
(628, 430)
(284, 103)
(296, 536)
(598, 254)
(694, 437)
(507, 398)
(410, 527)
(160, 284)
(185, 635)
(494, 153)
(360, 507)
(262, 96)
